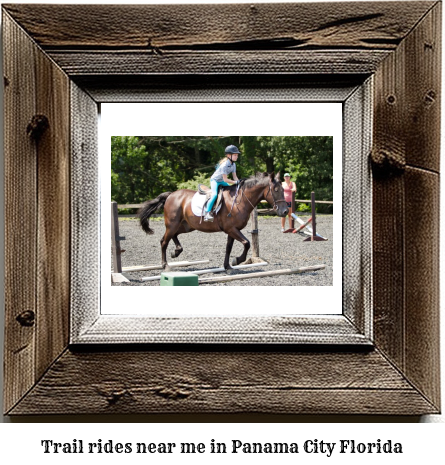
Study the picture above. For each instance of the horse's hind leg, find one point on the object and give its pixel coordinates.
(164, 244)
(168, 236)
(178, 250)
(172, 232)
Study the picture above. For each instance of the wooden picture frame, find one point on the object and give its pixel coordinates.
(56, 72)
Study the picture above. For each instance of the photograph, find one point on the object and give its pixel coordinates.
(222, 211)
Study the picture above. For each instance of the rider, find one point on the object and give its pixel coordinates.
(225, 166)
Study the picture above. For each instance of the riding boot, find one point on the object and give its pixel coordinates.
(208, 217)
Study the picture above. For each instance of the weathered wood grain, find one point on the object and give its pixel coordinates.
(20, 213)
(37, 161)
(389, 158)
(422, 324)
(108, 329)
(407, 113)
(84, 206)
(423, 92)
(118, 62)
(221, 382)
(406, 132)
(53, 228)
(159, 27)
(219, 88)
(388, 268)
(356, 209)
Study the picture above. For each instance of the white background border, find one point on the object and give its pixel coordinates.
(151, 119)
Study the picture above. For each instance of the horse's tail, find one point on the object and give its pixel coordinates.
(149, 208)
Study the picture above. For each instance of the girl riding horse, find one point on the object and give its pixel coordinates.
(225, 166)
(238, 203)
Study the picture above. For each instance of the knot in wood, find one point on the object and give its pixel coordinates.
(37, 126)
(114, 397)
(391, 99)
(26, 318)
(172, 393)
(387, 163)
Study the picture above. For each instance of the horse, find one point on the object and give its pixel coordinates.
(237, 205)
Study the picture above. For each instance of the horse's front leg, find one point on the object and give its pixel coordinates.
(236, 234)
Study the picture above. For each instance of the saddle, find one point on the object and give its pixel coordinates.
(204, 190)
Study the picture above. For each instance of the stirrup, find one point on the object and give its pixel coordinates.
(208, 217)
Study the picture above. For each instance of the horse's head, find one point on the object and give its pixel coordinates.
(274, 194)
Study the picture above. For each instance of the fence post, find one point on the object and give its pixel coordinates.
(255, 242)
(314, 236)
(115, 239)
(292, 225)
(255, 238)
(314, 216)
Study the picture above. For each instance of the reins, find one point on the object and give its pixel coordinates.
(234, 200)
(253, 206)
(275, 206)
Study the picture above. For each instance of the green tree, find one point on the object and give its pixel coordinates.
(127, 169)
(309, 159)
(145, 166)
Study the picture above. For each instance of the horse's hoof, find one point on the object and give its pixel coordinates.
(235, 262)
(230, 270)
(167, 269)
(173, 255)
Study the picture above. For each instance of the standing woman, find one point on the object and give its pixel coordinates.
(289, 187)
(225, 166)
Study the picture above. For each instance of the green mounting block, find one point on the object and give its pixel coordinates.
(178, 278)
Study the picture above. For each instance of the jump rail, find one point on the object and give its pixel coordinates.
(210, 270)
(159, 267)
(261, 274)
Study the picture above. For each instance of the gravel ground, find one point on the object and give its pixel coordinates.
(281, 251)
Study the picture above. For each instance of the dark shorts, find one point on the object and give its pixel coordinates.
(289, 204)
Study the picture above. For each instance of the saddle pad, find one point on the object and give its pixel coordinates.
(198, 202)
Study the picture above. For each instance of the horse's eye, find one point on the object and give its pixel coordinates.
(276, 189)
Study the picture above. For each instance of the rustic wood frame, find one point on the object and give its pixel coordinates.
(90, 323)
(76, 56)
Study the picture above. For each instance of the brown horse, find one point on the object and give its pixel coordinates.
(232, 218)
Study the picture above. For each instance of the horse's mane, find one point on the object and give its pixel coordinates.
(261, 179)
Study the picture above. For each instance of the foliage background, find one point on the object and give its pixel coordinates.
(142, 167)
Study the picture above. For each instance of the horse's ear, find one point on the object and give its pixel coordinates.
(277, 177)
(272, 176)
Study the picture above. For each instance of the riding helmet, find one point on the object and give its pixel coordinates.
(232, 149)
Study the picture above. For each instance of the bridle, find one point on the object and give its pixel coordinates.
(275, 206)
